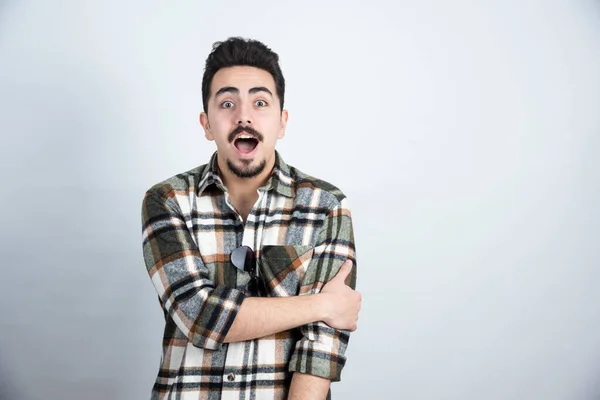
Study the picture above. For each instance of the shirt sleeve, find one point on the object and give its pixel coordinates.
(203, 312)
(321, 349)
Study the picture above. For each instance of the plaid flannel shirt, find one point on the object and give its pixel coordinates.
(301, 231)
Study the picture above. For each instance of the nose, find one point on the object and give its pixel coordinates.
(244, 115)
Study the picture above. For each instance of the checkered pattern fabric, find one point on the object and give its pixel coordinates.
(301, 231)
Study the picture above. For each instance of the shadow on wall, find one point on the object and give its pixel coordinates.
(8, 390)
(594, 388)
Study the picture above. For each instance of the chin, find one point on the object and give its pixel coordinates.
(247, 168)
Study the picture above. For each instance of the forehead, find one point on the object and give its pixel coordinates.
(242, 78)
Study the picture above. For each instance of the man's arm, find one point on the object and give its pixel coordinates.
(337, 305)
(308, 387)
(210, 315)
(319, 356)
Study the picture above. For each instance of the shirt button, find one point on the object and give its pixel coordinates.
(231, 377)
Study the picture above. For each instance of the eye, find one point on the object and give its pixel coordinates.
(261, 103)
(227, 104)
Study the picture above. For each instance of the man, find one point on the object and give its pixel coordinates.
(253, 261)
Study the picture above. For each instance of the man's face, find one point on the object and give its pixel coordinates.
(244, 119)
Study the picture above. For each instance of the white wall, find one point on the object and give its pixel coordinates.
(468, 136)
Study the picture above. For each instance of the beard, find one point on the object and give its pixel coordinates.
(246, 171)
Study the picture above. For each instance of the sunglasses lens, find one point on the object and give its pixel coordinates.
(243, 258)
(263, 289)
(238, 258)
(249, 264)
(257, 286)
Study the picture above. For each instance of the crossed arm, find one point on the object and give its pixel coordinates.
(326, 308)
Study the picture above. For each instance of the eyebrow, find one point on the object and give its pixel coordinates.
(234, 90)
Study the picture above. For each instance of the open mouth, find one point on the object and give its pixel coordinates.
(245, 143)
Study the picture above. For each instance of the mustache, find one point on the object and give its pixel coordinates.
(248, 129)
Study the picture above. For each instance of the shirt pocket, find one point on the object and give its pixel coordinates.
(282, 268)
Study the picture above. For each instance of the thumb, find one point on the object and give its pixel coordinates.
(344, 271)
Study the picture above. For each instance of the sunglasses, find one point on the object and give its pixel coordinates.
(243, 258)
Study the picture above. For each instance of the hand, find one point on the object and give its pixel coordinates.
(342, 303)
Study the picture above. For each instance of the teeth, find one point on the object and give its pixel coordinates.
(245, 137)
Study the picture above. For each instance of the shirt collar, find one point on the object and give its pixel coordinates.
(281, 180)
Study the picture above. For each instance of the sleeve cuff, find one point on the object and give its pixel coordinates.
(324, 357)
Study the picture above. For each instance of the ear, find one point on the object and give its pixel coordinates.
(206, 125)
(284, 121)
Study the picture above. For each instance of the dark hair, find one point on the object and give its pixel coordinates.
(237, 51)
